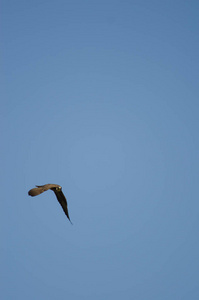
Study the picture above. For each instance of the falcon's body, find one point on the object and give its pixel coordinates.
(57, 189)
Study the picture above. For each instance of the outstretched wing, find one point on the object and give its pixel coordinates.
(62, 200)
(40, 189)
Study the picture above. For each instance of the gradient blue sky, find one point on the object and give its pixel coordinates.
(101, 97)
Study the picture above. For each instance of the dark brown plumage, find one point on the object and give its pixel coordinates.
(57, 189)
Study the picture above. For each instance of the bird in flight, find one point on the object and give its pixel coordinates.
(57, 189)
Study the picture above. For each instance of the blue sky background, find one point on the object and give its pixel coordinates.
(101, 97)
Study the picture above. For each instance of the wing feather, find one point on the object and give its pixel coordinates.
(41, 188)
(62, 201)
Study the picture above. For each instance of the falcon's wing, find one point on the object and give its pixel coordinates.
(62, 200)
(40, 189)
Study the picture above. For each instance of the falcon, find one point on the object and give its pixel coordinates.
(57, 189)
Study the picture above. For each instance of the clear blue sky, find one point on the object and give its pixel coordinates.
(101, 97)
